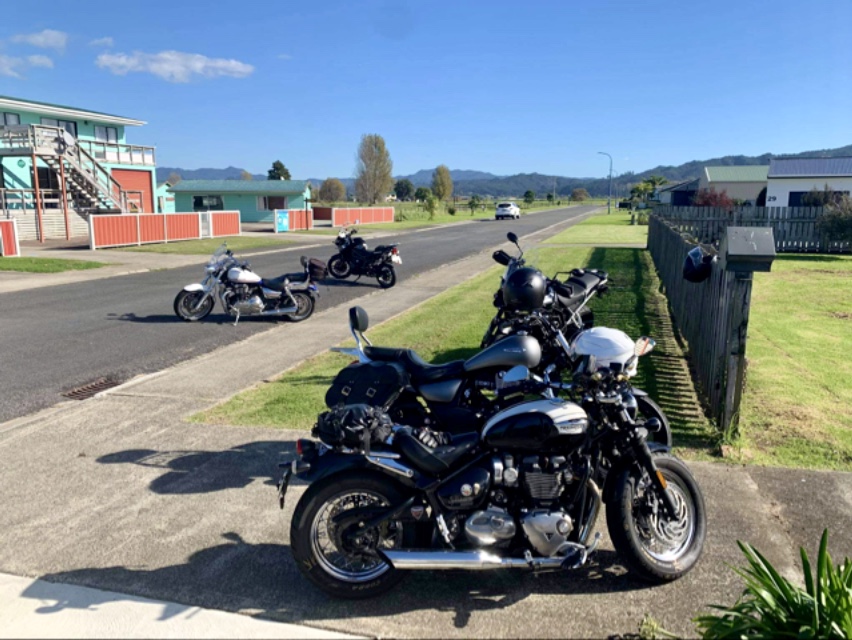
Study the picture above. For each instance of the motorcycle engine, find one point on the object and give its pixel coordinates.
(245, 303)
(547, 531)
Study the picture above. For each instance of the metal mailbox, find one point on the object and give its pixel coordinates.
(748, 249)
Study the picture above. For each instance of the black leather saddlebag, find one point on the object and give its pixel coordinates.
(356, 426)
(377, 384)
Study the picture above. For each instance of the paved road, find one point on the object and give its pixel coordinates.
(54, 339)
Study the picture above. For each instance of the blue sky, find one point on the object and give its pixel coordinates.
(500, 86)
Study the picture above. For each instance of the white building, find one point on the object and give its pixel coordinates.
(789, 179)
(744, 182)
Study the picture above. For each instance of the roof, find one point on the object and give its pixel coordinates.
(240, 186)
(680, 186)
(743, 173)
(810, 167)
(50, 109)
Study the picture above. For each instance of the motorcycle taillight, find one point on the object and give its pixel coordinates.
(395, 251)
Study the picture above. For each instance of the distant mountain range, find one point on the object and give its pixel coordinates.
(467, 182)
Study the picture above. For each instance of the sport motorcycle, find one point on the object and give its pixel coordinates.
(355, 258)
(525, 493)
(241, 291)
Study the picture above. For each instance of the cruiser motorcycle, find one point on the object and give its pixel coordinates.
(243, 292)
(525, 493)
(354, 257)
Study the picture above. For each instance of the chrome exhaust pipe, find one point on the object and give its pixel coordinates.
(467, 560)
(279, 312)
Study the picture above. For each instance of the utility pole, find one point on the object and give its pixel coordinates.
(609, 199)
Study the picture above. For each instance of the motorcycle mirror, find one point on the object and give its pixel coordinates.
(501, 257)
(644, 346)
(358, 319)
(512, 237)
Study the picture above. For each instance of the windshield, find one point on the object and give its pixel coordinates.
(223, 248)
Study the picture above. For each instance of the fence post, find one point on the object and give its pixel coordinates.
(138, 231)
(92, 244)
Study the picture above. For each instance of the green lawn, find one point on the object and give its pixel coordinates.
(46, 265)
(209, 245)
(635, 306)
(603, 229)
(797, 405)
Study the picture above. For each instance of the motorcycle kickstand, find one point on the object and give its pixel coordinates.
(238, 318)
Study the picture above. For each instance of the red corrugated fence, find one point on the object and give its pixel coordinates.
(129, 228)
(9, 232)
(364, 215)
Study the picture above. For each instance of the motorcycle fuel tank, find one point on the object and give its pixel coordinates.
(607, 346)
(537, 425)
(511, 351)
(243, 276)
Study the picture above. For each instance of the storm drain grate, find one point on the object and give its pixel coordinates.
(88, 390)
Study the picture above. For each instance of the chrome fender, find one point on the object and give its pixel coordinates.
(194, 287)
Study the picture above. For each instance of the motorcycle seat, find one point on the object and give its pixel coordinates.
(437, 460)
(279, 283)
(420, 371)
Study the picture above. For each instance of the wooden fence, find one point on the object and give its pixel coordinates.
(148, 228)
(795, 228)
(712, 316)
(9, 241)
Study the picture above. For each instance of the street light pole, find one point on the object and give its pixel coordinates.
(609, 199)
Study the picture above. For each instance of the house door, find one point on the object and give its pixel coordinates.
(134, 201)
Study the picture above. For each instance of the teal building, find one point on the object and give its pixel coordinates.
(256, 200)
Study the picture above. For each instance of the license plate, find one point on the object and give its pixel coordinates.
(396, 259)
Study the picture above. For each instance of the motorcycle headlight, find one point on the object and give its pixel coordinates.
(210, 268)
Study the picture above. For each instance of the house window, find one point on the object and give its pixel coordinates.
(207, 203)
(270, 203)
(106, 134)
(795, 198)
(68, 125)
(11, 118)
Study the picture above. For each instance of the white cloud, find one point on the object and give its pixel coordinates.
(47, 39)
(102, 42)
(10, 66)
(285, 56)
(40, 61)
(173, 66)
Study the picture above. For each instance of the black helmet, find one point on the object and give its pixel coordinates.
(524, 290)
(698, 265)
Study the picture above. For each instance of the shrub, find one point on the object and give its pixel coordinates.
(712, 198)
(451, 211)
(773, 607)
(642, 217)
(836, 220)
(431, 205)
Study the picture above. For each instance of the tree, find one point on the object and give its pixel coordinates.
(431, 205)
(550, 197)
(712, 198)
(174, 178)
(641, 191)
(529, 196)
(332, 190)
(442, 182)
(580, 194)
(278, 172)
(422, 194)
(245, 175)
(836, 220)
(821, 197)
(474, 203)
(374, 168)
(404, 189)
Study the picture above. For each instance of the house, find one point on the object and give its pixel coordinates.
(790, 179)
(679, 194)
(165, 199)
(84, 165)
(254, 199)
(739, 182)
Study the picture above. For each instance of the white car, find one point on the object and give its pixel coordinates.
(507, 210)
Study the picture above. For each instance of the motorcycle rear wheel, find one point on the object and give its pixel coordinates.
(328, 559)
(339, 267)
(304, 307)
(654, 547)
(386, 276)
(184, 304)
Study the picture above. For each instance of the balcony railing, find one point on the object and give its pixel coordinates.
(42, 138)
(119, 153)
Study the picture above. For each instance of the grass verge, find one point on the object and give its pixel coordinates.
(46, 265)
(209, 245)
(603, 229)
(797, 405)
(294, 400)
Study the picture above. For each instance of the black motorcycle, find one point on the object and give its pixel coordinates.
(524, 494)
(354, 257)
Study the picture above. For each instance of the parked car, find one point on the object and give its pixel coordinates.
(507, 210)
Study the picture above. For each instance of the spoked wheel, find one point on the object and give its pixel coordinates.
(187, 308)
(656, 547)
(386, 276)
(339, 267)
(304, 307)
(330, 548)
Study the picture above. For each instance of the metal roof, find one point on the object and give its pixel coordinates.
(48, 108)
(684, 185)
(742, 173)
(239, 186)
(810, 167)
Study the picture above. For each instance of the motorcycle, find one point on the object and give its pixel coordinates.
(384, 498)
(354, 257)
(242, 292)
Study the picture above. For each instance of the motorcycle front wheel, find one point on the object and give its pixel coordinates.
(304, 307)
(339, 267)
(322, 541)
(185, 306)
(647, 408)
(386, 276)
(655, 547)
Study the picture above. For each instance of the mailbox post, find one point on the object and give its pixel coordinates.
(743, 251)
